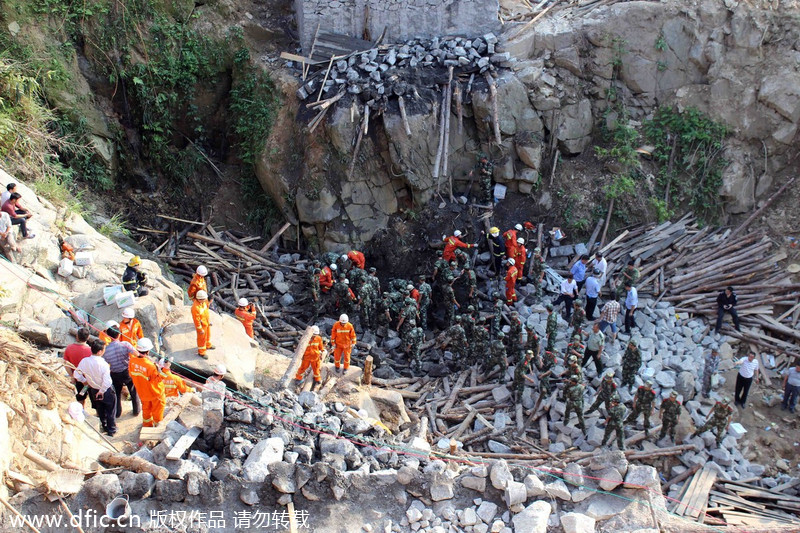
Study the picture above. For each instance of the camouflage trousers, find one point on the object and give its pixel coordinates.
(620, 434)
(668, 426)
(577, 408)
(635, 414)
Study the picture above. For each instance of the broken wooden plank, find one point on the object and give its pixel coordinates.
(184, 443)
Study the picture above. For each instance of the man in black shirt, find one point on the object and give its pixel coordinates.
(726, 303)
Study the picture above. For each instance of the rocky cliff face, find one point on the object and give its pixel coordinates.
(562, 83)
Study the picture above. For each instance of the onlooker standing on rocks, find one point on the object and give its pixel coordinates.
(726, 303)
(73, 355)
(594, 348)
(117, 355)
(791, 386)
(8, 243)
(712, 364)
(95, 372)
(599, 263)
(569, 291)
(631, 301)
(608, 317)
(748, 370)
(718, 420)
(670, 413)
(578, 271)
(592, 292)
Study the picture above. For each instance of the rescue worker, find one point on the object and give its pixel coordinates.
(605, 393)
(424, 290)
(149, 382)
(103, 334)
(515, 337)
(512, 274)
(480, 342)
(670, 413)
(246, 314)
(439, 267)
(462, 258)
(453, 242)
(522, 369)
(449, 301)
(552, 327)
(537, 270)
(357, 259)
(366, 305)
(174, 385)
(312, 358)
(471, 279)
(643, 404)
(202, 323)
(343, 338)
(574, 402)
(614, 422)
(510, 239)
(545, 366)
(326, 277)
(130, 329)
(497, 249)
(520, 255)
(497, 356)
(718, 420)
(198, 282)
(313, 284)
(132, 279)
(414, 348)
(457, 339)
(578, 318)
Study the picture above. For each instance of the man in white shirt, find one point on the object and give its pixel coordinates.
(95, 372)
(599, 263)
(631, 301)
(748, 371)
(569, 291)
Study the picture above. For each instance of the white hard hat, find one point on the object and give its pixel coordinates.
(243, 302)
(202, 295)
(144, 345)
(409, 287)
(520, 240)
(315, 330)
(346, 281)
(344, 319)
(457, 233)
(220, 369)
(518, 227)
(128, 312)
(202, 270)
(344, 257)
(512, 262)
(112, 324)
(333, 266)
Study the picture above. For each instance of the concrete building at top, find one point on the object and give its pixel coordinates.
(402, 19)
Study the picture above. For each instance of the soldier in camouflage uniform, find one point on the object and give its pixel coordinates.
(329, 258)
(414, 345)
(479, 347)
(578, 318)
(606, 392)
(341, 295)
(497, 317)
(515, 338)
(614, 422)
(670, 413)
(532, 343)
(373, 280)
(484, 169)
(497, 356)
(574, 401)
(462, 258)
(424, 301)
(382, 311)
(439, 267)
(710, 368)
(546, 365)
(407, 318)
(396, 303)
(573, 370)
(366, 303)
(643, 404)
(468, 323)
(537, 271)
(575, 348)
(316, 293)
(457, 339)
(552, 328)
(523, 368)
(630, 274)
(472, 286)
(448, 277)
(718, 420)
(631, 361)
(357, 278)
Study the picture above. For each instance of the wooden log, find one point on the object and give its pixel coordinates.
(16, 513)
(367, 378)
(459, 108)
(296, 358)
(446, 155)
(438, 160)
(134, 464)
(454, 393)
(352, 167)
(402, 104)
(544, 434)
(760, 210)
(41, 460)
(275, 237)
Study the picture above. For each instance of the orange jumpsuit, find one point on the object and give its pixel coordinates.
(450, 245)
(511, 241)
(130, 330)
(511, 280)
(357, 258)
(246, 316)
(149, 383)
(202, 323)
(415, 295)
(312, 358)
(520, 255)
(343, 337)
(198, 283)
(325, 279)
(174, 385)
(104, 337)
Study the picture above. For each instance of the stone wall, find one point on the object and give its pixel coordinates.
(402, 19)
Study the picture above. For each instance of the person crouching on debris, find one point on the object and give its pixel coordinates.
(198, 282)
(452, 243)
(202, 323)
(149, 382)
(343, 338)
(214, 382)
(312, 358)
(132, 279)
(174, 385)
(130, 329)
(246, 314)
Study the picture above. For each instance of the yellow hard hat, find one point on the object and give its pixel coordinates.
(494, 231)
(135, 261)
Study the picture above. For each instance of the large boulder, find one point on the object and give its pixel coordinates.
(575, 127)
(515, 112)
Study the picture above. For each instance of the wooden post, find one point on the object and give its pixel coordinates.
(133, 463)
(367, 379)
(402, 103)
(544, 433)
(298, 356)
(16, 513)
(446, 155)
(459, 108)
(760, 210)
(437, 162)
(275, 237)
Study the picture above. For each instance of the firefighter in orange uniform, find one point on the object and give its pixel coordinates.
(510, 238)
(246, 313)
(202, 323)
(357, 258)
(198, 282)
(312, 358)
(149, 383)
(130, 329)
(520, 256)
(450, 245)
(174, 385)
(343, 338)
(326, 277)
(511, 280)
(103, 336)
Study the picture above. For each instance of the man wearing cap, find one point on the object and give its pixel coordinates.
(726, 303)
(629, 276)
(312, 358)
(574, 402)
(578, 271)
(522, 369)
(605, 393)
(614, 422)
(510, 239)
(214, 382)
(520, 255)
(174, 385)
(497, 249)
(424, 290)
(512, 274)
(198, 282)
(130, 329)
(643, 404)
(578, 318)
(480, 341)
(134, 280)
(670, 413)
(343, 338)
(453, 242)
(552, 327)
(514, 337)
(326, 277)
(202, 323)
(573, 369)
(448, 295)
(592, 292)
(95, 372)
(456, 340)
(117, 354)
(631, 361)
(497, 356)
(595, 343)
(246, 314)
(545, 367)
(710, 368)
(149, 382)
(537, 270)
(600, 264)
(718, 420)
(569, 291)
(314, 287)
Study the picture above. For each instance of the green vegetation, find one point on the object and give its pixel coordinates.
(115, 225)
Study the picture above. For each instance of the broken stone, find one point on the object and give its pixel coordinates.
(558, 489)
(640, 476)
(103, 487)
(533, 519)
(477, 484)
(500, 475)
(170, 490)
(533, 486)
(577, 523)
(265, 453)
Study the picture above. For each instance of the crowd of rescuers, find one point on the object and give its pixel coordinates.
(445, 307)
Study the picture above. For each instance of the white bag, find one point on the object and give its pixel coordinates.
(65, 267)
